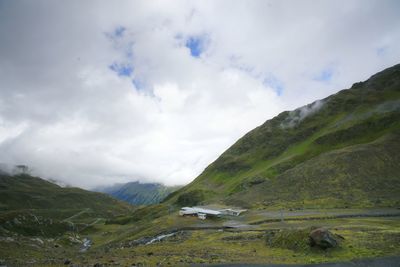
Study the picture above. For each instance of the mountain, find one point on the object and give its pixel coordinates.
(139, 193)
(28, 192)
(30, 205)
(341, 151)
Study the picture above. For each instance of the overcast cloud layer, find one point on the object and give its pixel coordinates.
(99, 92)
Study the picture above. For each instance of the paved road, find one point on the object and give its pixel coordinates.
(327, 212)
(274, 216)
(378, 262)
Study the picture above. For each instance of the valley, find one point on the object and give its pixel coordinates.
(188, 240)
(329, 166)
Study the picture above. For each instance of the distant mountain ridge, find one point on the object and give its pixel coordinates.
(341, 151)
(28, 192)
(35, 207)
(138, 193)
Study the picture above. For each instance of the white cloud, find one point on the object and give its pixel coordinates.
(68, 115)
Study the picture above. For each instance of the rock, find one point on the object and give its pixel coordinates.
(38, 240)
(323, 238)
(74, 240)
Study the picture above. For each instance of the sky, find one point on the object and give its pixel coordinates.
(101, 92)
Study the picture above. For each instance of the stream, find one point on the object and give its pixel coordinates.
(159, 238)
(87, 243)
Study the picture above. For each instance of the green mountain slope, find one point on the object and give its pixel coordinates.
(31, 206)
(27, 192)
(139, 193)
(341, 151)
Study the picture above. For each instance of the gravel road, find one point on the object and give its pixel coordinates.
(376, 262)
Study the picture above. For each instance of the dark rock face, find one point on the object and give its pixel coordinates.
(323, 238)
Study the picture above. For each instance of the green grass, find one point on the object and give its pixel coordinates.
(280, 153)
(27, 192)
(34, 207)
(364, 237)
(345, 155)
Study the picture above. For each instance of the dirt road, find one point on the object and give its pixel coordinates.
(377, 262)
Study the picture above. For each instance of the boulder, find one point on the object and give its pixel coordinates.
(323, 238)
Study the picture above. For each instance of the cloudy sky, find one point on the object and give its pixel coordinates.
(99, 92)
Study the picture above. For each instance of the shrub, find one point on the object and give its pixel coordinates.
(190, 198)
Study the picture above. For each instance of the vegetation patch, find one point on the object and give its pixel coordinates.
(294, 239)
(190, 198)
(302, 239)
(342, 149)
(146, 213)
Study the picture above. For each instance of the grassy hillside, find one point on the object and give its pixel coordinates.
(139, 193)
(31, 206)
(333, 164)
(340, 151)
(27, 192)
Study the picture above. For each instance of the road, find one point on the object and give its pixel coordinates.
(377, 262)
(273, 216)
(76, 215)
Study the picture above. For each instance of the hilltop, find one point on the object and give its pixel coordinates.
(33, 206)
(29, 192)
(341, 151)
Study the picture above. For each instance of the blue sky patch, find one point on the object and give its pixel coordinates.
(122, 69)
(116, 34)
(275, 84)
(196, 45)
(138, 84)
(119, 31)
(128, 51)
(324, 76)
(381, 51)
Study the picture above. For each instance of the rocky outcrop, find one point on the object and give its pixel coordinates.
(323, 238)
